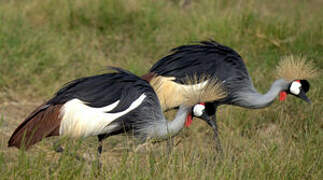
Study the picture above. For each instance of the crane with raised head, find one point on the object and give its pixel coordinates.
(213, 60)
(105, 105)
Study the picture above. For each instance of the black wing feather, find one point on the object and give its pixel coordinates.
(207, 57)
(102, 90)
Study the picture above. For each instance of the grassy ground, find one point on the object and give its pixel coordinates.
(44, 44)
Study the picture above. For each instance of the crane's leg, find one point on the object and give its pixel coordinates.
(100, 139)
(170, 145)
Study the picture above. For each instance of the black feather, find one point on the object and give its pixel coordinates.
(102, 90)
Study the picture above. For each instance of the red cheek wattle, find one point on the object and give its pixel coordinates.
(189, 120)
(282, 95)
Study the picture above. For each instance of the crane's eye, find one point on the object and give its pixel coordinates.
(198, 110)
(295, 87)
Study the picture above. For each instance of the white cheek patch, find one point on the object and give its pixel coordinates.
(295, 88)
(198, 110)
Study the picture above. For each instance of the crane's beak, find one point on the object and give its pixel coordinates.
(208, 120)
(303, 96)
(205, 117)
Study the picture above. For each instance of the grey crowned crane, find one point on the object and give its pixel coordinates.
(221, 62)
(105, 105)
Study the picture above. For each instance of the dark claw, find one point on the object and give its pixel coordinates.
(59, 149)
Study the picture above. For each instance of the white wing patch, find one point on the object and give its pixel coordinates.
(109, 107)
(80, 120)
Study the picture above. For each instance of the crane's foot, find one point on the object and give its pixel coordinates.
(57, 147)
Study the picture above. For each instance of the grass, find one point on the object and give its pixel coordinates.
(49, 43)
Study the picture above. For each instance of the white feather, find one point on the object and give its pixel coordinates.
(80, 120)
(109, 107)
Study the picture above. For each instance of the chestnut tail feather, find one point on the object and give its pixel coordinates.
(43, 122)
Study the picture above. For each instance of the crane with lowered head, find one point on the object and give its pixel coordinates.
(108, 104)
(213, 60)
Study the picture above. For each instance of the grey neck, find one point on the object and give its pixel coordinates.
(254, 100)
(167, 129)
